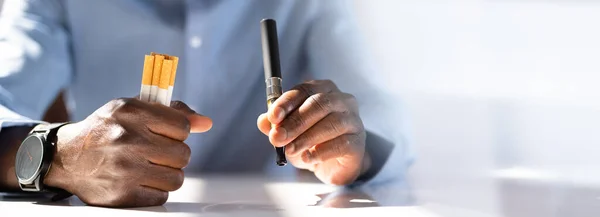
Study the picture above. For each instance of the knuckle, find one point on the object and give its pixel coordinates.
(352, 122)
(177, 179)
(122, 107)
(124, 104)
(294, 121)
(185, 154)
(337, 123)
(181, 106)
(120, 164)
(328, 82)
(186, 126)
(120, 135)
(333, 126)
(312, 82)
(178, 104)
(161, 199)
(347, 122)
(354, 143)
(178, 151)
(350, 99)
(306, 88)
(341, 148)
(322, 101)
(353, 139)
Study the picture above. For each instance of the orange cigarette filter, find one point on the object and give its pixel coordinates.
(165, 74)
(158, 62)
(148, 68)
(174, 69)
(158, 77)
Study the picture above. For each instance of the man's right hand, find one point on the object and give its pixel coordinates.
(128, 153)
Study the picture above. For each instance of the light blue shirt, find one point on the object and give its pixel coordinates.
(95, 50)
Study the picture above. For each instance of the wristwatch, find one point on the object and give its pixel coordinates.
(34, 158)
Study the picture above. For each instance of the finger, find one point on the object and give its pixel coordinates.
(315, 108)
(347, 144)
(293, 98)
(165, 151)
(198, 123)
(162, 178)
(144, 196)
(332, 126)
(157, 118)
(263, 124)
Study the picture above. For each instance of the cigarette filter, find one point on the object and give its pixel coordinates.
(163, 84)
(158, 78)
(173, 74)
(158, 62)
(147, 78)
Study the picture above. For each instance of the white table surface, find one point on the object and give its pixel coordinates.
(509, 193)
(241, 195)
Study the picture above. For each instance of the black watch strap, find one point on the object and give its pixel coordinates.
(49, 131)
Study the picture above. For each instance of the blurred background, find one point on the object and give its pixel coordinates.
(495, 88)
(504, 89)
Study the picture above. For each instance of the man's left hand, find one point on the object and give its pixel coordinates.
(321, 130)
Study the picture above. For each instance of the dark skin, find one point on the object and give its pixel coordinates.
(321, 130)
(128, 153)
(11, 139)
(131, 153)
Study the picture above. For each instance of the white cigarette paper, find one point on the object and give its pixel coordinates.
(170, 94)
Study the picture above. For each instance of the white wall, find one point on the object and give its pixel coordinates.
(516, 49)
(493, 84)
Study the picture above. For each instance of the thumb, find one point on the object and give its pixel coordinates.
(198, 123)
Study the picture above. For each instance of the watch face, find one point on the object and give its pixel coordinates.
(29, 158)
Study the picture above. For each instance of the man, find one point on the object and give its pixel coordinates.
(123, 152)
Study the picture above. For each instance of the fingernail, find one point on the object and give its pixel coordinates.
(280, 134)
(279, 114)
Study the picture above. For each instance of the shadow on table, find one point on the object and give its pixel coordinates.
(228, 197)
(184, 207)
(371, 197)
(229, 207)
(23, 197)
(346, 198)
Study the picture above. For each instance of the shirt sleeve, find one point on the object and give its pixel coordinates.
(335, 51)
(35, 60)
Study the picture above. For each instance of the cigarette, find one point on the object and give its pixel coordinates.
(163, 84)
(172, 80)
(158, 78)
(147, 78)
(156, 74)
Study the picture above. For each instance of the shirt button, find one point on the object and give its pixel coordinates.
(195, 42)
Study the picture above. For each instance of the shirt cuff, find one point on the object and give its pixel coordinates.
(9, 118)
(18, 123)
(394, 169)
(390, 161)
